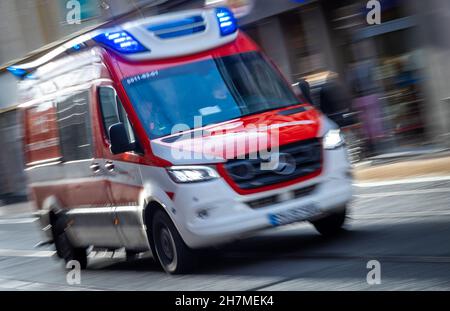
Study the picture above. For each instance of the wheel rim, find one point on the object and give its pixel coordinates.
(166, 244)
(165, 248)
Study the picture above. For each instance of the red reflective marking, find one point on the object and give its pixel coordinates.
(171, 195)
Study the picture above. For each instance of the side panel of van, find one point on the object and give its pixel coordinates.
(62, 167)
(86, 180)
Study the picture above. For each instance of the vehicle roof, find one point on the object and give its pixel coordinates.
(85, 67)
(144, 31)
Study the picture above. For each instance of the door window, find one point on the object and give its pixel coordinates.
(113, 111)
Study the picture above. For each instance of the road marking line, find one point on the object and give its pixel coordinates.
(341, 256)
(401, 181)
(6, 283)
(16, 221)
(401, 215)
(25, 253)
(402, 192)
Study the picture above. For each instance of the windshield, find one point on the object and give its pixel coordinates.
(217, 90)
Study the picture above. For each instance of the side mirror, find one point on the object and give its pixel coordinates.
(305, 89)
(119, 139)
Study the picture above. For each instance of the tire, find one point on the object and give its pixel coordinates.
(64, 248)
(172, 253)
(331, 224)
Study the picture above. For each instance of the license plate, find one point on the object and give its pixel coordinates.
(293, 215)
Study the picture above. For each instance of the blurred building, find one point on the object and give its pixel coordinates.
(397, 63)
(396, 71)
(34, 26)
(388, 61)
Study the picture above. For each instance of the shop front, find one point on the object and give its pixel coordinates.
(384, 69)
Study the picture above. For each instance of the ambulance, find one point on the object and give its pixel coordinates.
(171, 134)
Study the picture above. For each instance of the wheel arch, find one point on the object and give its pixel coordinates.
(149, 211)
(152, 205)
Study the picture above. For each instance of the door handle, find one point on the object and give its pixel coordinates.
(95, 167)
(109, 166)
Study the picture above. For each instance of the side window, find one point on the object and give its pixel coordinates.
(108, 105)
(74, 125)
(113, 111)
(41, 133)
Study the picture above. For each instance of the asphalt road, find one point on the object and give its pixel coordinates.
(405, 226)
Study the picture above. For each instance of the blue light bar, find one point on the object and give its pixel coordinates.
(121, 41)
(227, 21)
(18, 72)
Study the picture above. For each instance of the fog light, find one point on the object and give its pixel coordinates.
(202, 214)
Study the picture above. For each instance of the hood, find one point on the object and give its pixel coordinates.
(260, 132)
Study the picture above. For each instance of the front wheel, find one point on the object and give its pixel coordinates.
(331, 224)
(173, 254)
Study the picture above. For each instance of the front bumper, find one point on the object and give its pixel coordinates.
(212, 213)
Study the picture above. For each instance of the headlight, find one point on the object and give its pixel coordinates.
(188, 174)
(333, 139)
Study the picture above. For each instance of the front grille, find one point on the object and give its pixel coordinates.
(247, 173)
(267, 201)
(303, 192)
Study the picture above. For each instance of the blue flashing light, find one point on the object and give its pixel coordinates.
(121, 41)
(30, 76)
(77, 47)
(18, 72)
(227, 21)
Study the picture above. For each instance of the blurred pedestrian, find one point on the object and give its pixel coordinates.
(366, 101)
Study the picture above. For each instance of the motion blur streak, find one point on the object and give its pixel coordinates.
(385, 85)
